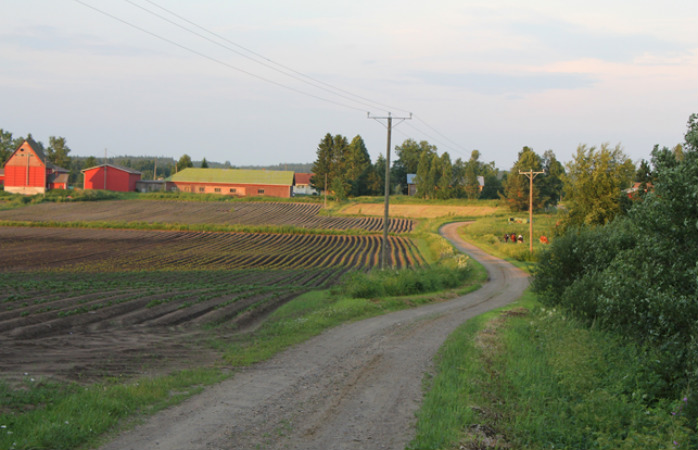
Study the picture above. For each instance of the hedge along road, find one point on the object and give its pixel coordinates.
(355, 386)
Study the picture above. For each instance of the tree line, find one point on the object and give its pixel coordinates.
(631, 266)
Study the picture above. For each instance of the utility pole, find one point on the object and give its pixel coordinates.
(386, 213)
(105, 169)
(530, 175)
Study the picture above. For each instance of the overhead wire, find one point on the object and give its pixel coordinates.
(223, 63)
(287, 71)
(293, 74)
(371, 102)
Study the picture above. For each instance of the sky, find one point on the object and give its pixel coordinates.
(260, 82)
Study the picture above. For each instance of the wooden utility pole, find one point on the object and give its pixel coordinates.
(105, 169)
(531, 175)
(386, 212)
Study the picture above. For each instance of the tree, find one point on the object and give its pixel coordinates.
(472, 171)
(408, 158)
(516, 189)
(57, 152)
(551, 185)
(493, 183)
(204, 164)
(184, 162)
(7, 146)
(376, 177)
(323, 164)
(424, 181)
(357, 166)
(445, 177)
(594, 184)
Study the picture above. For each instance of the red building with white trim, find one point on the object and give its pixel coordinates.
(28, 171)
(111, 178)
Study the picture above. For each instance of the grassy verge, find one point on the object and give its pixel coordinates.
(314, 312)
(44, 415)
(526, 377)
(488, 234)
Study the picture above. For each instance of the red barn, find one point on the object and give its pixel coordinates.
(111, 178)
(28, 171)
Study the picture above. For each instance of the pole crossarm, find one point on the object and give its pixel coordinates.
(386, 214)
(530, 175)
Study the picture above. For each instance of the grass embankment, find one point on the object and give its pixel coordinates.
(526, 377)
(42, 415)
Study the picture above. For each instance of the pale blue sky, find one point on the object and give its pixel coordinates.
(490, 75)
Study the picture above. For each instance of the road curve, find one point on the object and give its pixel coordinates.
(355, 386)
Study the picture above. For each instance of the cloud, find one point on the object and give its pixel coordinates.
(510, 84)
(572, 42)
(52, 39)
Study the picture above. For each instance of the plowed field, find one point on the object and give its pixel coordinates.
(302, 215)
(85, 303)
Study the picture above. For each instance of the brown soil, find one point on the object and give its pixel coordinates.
(354, 387)
(301, 215)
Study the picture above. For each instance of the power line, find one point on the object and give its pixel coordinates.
(258, 55)
(210, 58)
(287, 71)
(293, 73)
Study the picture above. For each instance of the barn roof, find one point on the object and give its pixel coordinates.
(122, 168)
(41, 155)
(303, 178)
(234, 176)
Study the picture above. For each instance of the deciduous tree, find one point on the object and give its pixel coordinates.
(594, 184)
(184, 162)
(57, 152)
(517, 187)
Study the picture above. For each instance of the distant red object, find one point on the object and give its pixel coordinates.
(544, 240)
(111, 178)
(28, 171)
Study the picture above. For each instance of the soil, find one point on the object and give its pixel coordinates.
(356, 386)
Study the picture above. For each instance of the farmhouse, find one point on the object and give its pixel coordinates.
(235, 182)
(28, 171)
(111, 178)
(302, 186)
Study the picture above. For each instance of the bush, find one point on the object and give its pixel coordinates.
(448, 274)
(638, 275)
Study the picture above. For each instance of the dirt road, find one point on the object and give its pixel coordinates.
(356, 386)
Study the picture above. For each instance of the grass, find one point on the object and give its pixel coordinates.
(314, 312)
(526, 377)
(44, 415)
(488, 234)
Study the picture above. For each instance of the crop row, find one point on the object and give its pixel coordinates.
(301, 215)
(30, 307)
(57, 280)
(91, 250)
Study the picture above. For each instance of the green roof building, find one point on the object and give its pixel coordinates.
(236, 182)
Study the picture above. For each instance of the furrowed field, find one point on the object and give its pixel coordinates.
(84, 303)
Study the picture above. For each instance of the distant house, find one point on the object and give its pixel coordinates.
(2, 177)
(302, 184)
(29, 172)
(411, 184)
(640, 188)
(235, 182)
(111, 177)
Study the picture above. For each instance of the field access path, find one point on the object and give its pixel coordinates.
(355, 386)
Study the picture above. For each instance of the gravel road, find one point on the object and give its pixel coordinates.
(356, 386)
